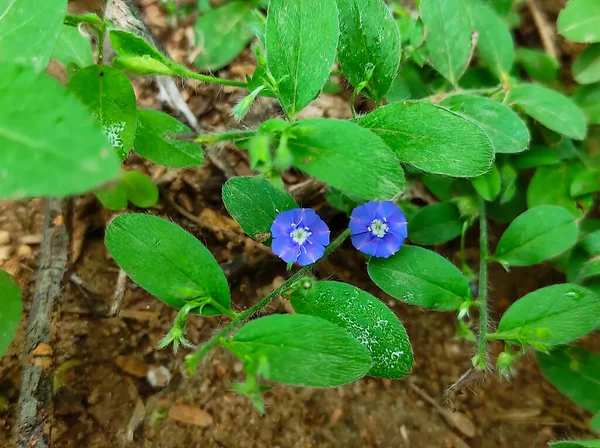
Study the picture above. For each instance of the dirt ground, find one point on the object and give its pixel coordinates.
(104, 399)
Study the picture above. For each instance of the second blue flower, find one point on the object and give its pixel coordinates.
(378, 228)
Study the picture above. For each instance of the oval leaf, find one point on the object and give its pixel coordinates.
(543, 104)
(302, 350)
(504, 128)
(301, 41)
(138, 56)
(369, 40)
(538, 234)
(319, 144)
(550, 316)
(222, 34)
(153, 143)
(580, 21)
(51, 145)
(432, 138)
(114, 198)
(255, 203)
(140, 189)
(10, 311)
(448, 36)
(588, 99)
(363, 316)
(586, 68)
(551, 185)
(435, 224)
(421, 277)
(584, 183)
(538, 65)
(166, 261)
(489, 185)
(28, 31)
(73, 48)
(109, 95)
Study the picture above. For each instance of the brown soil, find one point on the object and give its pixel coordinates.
(105, 399)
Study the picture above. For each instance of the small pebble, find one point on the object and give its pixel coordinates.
(4, 237)
(158, 377)
(24, 251)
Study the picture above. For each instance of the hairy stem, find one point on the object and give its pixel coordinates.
(211, 79)
(192, 360)
(209, 139)
(481, 361)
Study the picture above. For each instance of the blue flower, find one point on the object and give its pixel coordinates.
(299, 235)
(378, 228)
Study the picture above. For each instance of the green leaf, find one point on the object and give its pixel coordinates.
(302, 350)
(543, 105)
(138, 56)
(432, 138)
(363, 316)
(595, 425)
(51, 146)
(589, 271)
(301, 41)
(502, 7)
(551, 185)
(153, 143)
(591, 242)
(550, 316)
(408, 85)
(584, 183)
(222, 34)
(509, 180)
(167, 261)
(504, 128)
(535, 157)
(494, 41)
(586, 68)
(369, 39)
(114, 198)
(580, 21)
(441, 186)
(576, 444)
(109, 95)
(140, 189)
(421, 277)
(29, 29)
(11, 310)
(319, 144)
(512, 207)
(574, 372)
(538, 234)
(255, 203)
(448, 36)
(488, 186)
(73, 48)
(588, 99)
(435, 224)
(537, 64)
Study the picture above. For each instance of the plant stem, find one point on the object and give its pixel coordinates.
(192, 360)
(482, 296)
(223, 136)
(211, 79)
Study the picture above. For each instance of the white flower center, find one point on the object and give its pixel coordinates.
(300, 235)
(379, 228)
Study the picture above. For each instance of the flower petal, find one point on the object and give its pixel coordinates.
(282, 225)
(285, 248)
(360, 219)
(388, 245)
(398, 228)
(310, 253)
(365, 242)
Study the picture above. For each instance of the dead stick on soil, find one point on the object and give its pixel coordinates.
(544, 27)
(119, 294)
(34, 420)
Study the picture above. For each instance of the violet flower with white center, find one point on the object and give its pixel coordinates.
(299, 235)
(378, 228)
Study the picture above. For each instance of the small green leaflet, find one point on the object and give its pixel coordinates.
(505, 129)
(59, 153)
(363, 316)
(488, 186)
(449, 37)
(550, 316)
(535, 157)
(586, 68)
(29, 29)
(167, 261)
(301, 41)
(369, 40)
(441, 186)
(255, 203)
(109, 95)
(113, 198)
(140, 189)
(319, 144)
(538, 65)
(576, 444)
(435, 224)
(589, 272)
(222, 34)
(152, 141)
(580, 21)
(421, 277)
(538, 234)
(408, 85)
(574, 372)
(551, 185)
(73, 48)
(301, 350)
(588, 99)
(585, 182)
(552, 109)
(138, 56)
(10, 311)
(494, 41)
(432, 138)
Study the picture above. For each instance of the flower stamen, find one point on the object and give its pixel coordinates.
(378, 228)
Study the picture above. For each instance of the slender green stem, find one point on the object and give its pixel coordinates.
(209, 139)
(482, 296)
(100, 48)
(222, 309)
(192, 360)
(210, 79)
(75, 20)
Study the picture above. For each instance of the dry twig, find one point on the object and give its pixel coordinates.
(545, 28)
